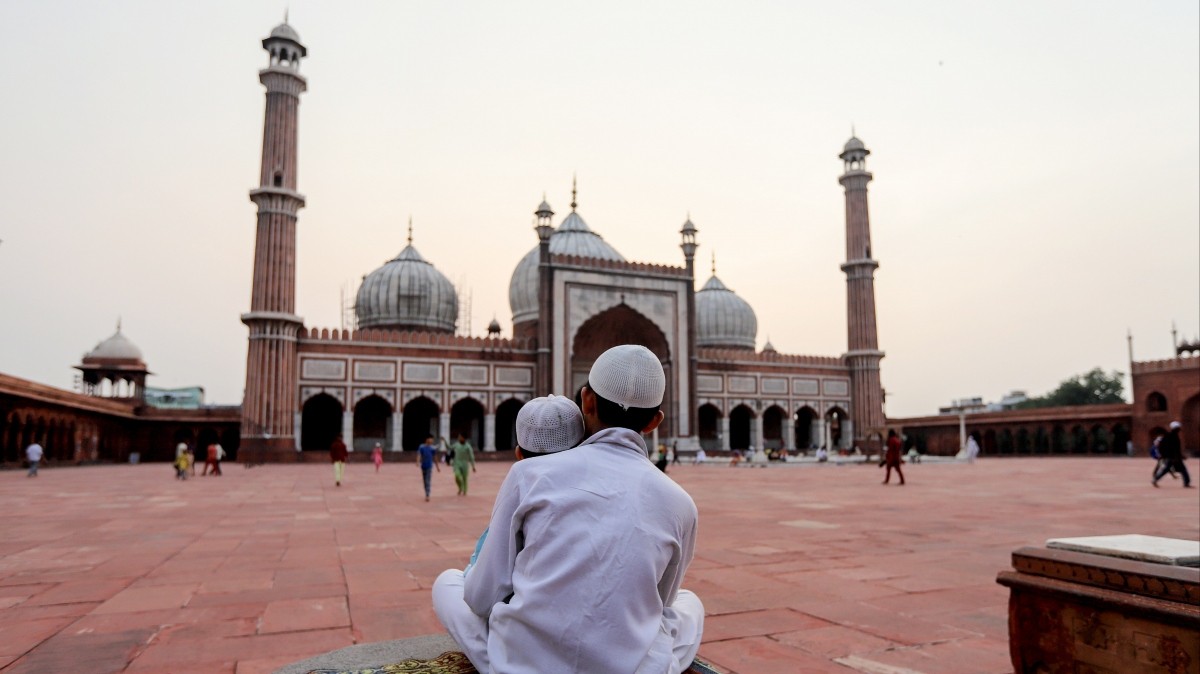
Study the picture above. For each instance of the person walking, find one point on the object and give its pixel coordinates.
(33, 454)
(377, 456)
(1171, 449)
(427, 460)
(892, 458)
(215, 454)
(464, 456)
(338, 455)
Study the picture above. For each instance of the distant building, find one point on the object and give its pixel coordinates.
(186, 398)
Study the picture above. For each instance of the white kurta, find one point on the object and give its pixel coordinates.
(591, 544)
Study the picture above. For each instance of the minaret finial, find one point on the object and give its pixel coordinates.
(410, 230)
(714, 263)
(852, 132)
(118, 323)
(574, 191)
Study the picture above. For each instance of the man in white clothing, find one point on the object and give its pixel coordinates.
(33, 454)
(586, 549)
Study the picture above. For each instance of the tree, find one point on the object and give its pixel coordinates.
(1092, 388)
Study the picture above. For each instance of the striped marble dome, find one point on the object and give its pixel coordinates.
(723, 319)
(572, 237)
(407, 293)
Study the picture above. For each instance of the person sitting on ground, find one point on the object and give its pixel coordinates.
(586, 550)
(701, 456)
(544, 426)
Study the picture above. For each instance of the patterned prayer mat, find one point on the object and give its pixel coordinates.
(446, 663)
(456, 663)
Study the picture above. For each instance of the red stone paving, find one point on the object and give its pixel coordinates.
(801, 569)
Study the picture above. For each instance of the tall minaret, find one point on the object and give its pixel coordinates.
(269, 403)
(863, 356)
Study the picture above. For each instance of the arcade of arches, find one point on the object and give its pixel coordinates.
(373, 420)
(804, 429)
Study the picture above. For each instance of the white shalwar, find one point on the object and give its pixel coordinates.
(581, 568)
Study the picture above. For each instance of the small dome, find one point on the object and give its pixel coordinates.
(854, 144)
(407, 293)
(572, 237)
(544, 207)
(769, 347)
(115, 348)
(723, 319)
(494, 327)
(286, 32)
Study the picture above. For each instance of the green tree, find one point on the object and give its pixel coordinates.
(1092, 388)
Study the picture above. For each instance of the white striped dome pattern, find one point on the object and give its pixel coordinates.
(572, 237)
(723, 319)
(407, 293)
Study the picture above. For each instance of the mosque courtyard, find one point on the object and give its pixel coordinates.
(813, 568)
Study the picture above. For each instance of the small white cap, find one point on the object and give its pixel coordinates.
(550, 424)
(1176, 424)
(629, 375)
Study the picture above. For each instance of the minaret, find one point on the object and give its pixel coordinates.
(687, 235)
(542, 225)
(269, 403)
(863, 356)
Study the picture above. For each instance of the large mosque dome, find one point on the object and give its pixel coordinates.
(407, 293)
(723, 319)
(572, 237)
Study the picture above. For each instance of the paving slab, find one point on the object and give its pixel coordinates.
(810, 568)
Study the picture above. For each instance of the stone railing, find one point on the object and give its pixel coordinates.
(748, 356)
(1166, 365)
(617, 265)
(413, 337)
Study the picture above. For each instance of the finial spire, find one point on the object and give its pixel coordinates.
(285, 13)
(118, 323)
(410, 230)
(714, 263)
(852, 132)
(574, 191)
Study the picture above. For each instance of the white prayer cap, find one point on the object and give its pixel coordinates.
(629, 375)
(1176, 424)
(550, 424)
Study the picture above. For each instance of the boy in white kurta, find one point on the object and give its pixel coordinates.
(586, 550)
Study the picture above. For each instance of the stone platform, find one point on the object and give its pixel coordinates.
(814, 568)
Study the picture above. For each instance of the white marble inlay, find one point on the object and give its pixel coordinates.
(809, 524)
(374, 371)
(423, 372)
(1156, 549)
(709, 382)
(316, 368)
(774, 385)
(805, 387)
(514, 376)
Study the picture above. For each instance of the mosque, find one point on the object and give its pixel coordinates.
(403, 373)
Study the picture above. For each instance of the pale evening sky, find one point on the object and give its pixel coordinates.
(1036, 193)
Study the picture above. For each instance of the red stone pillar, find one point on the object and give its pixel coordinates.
(270, 398)
(863, 354)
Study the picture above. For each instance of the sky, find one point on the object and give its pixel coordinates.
(1036, 192)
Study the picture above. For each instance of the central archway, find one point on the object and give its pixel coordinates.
(622, 325)
(320, 423)
(372, 424)
(420, 420)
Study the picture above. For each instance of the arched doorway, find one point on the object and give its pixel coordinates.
(420, 420)
(466, 418)
(372, 424)
(709, 424)
(506, 424)
(740, 432)
(1120, 443)
(320, 422)
(622, 325)
(1190, 418)
(836, 418)
(807, 436)
(773, 421)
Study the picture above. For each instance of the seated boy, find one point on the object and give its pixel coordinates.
(544, 426)
(586, 549)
